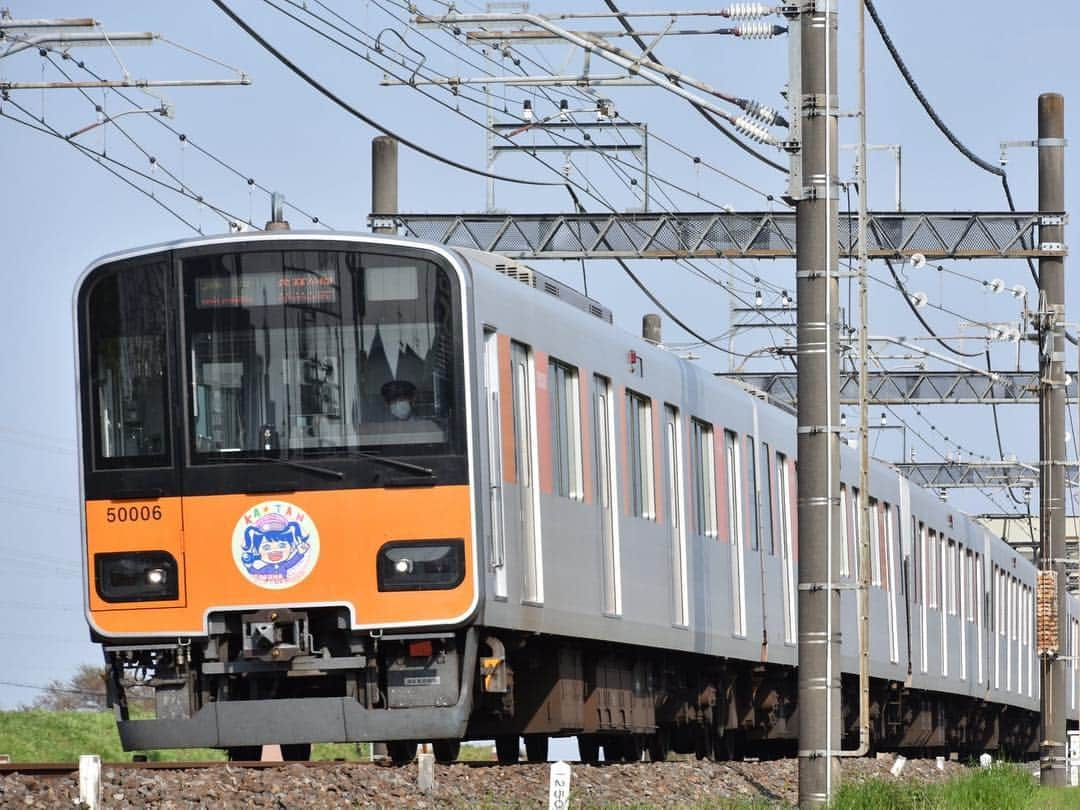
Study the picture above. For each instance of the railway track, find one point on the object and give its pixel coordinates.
(229, 785)
(49, 769)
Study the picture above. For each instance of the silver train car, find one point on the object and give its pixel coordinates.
(625, 562)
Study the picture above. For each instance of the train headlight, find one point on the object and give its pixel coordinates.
(421, 565)
(156, 577)
(136, 576)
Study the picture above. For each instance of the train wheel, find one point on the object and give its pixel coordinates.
(245, 753)
(631, 748)
(536, 747)
(401, 752)
(446, 750)
(506, 749)
(730, 746)
(705, 744)
(296, 752)
(588, 747)
(659, 746)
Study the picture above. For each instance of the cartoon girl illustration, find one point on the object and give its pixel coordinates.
(272, 546)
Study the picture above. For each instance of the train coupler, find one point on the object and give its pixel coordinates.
(275, 635)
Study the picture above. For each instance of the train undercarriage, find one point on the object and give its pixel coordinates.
(294, 677)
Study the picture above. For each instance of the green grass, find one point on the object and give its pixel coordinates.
(44, 736)
(1003, 787)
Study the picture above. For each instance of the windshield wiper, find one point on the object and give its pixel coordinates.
(297, 465)
(394, 462)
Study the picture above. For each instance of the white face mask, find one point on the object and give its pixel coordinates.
(400, 408)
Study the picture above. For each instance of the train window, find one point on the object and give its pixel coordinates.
(754, 512)
(733, 463)
(703, 461)
(875, 545)
(783, 515)
(1003, 627)
(639, 435)
(320, 350)
(886, 546)
(855, 524)
(845, 533)
(950, 581)
(934, 581)
(918, 558)
(566, 430)
(969, 583)
(885, 537)
(765, 498)
(128, 384)
(1012, 608)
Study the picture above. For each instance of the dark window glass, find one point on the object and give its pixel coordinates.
(128, 386)
(311, 351)
(639, 437)
(565, 430)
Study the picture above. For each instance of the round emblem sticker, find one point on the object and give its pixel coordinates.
(275, 545)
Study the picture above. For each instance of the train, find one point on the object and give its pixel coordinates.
(354, 487)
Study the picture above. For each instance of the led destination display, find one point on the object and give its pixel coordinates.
(293, 287)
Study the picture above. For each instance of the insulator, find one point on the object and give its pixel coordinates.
(747, 11)
(753, 130)
(758, 30)
(764, 113)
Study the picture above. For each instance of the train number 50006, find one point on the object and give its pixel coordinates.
(131, 514)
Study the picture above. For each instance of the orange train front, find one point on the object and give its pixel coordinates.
(278, 512)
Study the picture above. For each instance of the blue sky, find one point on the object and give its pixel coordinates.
(982, 65)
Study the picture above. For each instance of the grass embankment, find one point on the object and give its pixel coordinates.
(43, 736)
(1002, 787)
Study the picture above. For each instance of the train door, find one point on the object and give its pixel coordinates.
(604, 452)
(525, 459)
(496, 528)
(676, 511)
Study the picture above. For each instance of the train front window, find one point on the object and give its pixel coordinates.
(128, 389)
(315, 352)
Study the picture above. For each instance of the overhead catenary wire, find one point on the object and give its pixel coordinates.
(701, 110)
(89, 153)
(590, 191)
(948, 133)
(613, 161)
(182, 136)
(675, 318)
(915, 311)
(103, 159)
(371, 122)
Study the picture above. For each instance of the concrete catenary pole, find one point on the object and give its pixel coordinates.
(816, 266)
(384, 184)
(1052, 438)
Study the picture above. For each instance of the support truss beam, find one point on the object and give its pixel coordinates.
(913, 387)
(737, 235)
(981, 474)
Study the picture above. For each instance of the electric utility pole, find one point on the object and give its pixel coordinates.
(818, 314)
(1052, 575)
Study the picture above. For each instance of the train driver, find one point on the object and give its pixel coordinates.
(399, 396)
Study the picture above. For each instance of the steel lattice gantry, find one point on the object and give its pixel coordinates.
(980, 474)
(711, 234)
(913, 387)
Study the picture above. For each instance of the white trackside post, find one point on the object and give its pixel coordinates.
(559, 786)
(425, 778)
(90, 781)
